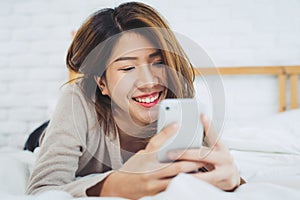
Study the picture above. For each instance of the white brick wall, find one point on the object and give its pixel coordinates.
(35, 35)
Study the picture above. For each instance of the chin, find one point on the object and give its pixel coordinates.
(145, 117)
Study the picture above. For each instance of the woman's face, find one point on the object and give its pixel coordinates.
(135, 79)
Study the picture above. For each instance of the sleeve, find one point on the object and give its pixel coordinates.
(62, 145)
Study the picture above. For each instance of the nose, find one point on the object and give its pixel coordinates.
(147, 78)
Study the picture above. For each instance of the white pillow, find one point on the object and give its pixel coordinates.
(14, 170)
(279, 133)
(287, 121)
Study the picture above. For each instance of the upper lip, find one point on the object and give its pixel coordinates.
(147, 95)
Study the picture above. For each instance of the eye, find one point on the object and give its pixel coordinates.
(127, 68)
(158, 63)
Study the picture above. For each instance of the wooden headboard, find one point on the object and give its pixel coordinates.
(283, 73)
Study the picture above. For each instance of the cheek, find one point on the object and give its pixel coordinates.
(120, 86)
(162, 76)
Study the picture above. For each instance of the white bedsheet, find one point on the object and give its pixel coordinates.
(269, 175)
(187, 187)
(267, 155)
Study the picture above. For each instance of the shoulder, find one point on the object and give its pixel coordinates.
(75, 106)
(74, 115)
(73, 97)
(71, 90)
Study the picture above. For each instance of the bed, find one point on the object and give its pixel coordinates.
(267, 154)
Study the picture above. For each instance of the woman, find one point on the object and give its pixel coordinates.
(100, 140)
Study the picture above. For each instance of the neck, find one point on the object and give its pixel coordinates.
(130, 143)
(130, 129)
(133, 137)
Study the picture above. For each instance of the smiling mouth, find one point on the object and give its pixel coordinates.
(148, 100)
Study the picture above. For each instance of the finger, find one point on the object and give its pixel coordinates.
(218, 178)
(209, 177)
(211, 137)
(205, 122)
(158, 140)
(189, 154)
(173, 169)
(203, 154)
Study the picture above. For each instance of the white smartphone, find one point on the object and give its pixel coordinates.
(186, 112)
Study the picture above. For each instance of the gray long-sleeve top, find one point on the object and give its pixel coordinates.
(74, 153)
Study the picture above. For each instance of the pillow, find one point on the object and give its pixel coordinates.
(277, 134)
(285, 121)
(14, 170)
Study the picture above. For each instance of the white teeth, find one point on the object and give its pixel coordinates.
(147, 99)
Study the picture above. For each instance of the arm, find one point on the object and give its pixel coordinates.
(64, 144)
(61, 148)
(143, 175)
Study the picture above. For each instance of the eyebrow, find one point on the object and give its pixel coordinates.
(152, 55)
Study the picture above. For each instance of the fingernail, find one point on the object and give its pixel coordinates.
(172, 155)
(176, 125)
(204, 118)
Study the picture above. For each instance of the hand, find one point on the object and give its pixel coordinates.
(222, 171)
(142, 174)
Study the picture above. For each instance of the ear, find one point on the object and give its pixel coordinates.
(102, 85)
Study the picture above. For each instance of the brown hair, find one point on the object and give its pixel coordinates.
(94, 41)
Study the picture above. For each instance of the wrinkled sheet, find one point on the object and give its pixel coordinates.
(267, 155)
(269, 175)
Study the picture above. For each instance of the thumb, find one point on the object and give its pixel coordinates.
(159, 139)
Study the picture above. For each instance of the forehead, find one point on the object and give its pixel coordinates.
(130, 43)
